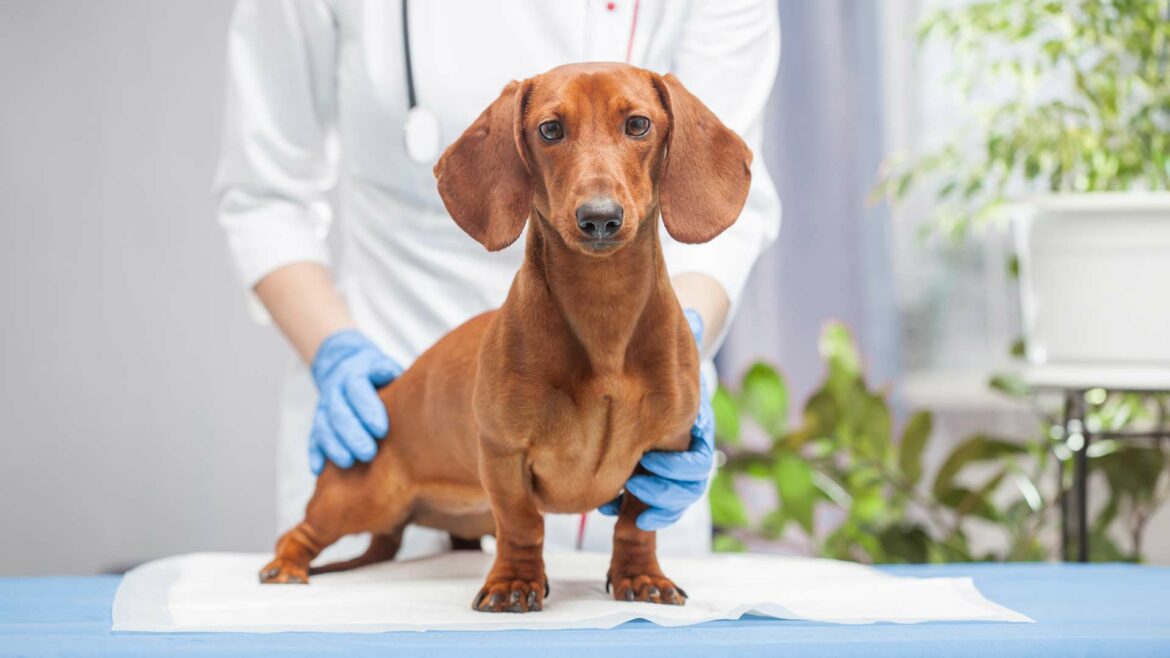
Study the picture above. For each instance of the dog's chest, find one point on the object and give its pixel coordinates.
(591, 439)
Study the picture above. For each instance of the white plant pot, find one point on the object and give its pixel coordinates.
(1095, 279)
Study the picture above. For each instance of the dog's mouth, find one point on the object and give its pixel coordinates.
(602, 245)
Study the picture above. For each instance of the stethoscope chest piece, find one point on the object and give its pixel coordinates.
(421, 132)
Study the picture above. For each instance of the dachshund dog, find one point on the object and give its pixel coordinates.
(547, 404)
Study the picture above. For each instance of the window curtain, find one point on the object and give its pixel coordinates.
(832, 261)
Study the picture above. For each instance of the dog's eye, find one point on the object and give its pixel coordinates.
(551, 131)
(637, 126)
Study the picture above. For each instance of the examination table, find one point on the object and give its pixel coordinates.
(1080, 609)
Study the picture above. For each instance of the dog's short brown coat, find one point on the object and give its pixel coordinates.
(547, 404)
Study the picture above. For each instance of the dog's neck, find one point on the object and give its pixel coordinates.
(603, 300)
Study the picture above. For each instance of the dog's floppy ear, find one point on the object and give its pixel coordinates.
(483, 178)
(707, 167)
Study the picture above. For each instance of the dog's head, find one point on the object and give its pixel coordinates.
(595, 149)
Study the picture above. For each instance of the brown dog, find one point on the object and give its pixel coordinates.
(548, 403)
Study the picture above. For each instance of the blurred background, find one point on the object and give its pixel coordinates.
(138, 400)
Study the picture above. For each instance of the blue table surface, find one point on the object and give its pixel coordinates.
(1080, 610)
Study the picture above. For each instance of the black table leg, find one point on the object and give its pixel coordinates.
(1081, 475)
(1062, 491)
(1074, 499)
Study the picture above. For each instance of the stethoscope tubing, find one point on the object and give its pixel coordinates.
(411, 98)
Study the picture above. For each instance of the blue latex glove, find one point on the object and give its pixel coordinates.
(348, 369)
(676, 479)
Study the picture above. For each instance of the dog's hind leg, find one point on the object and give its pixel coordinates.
(342, 504)
(383, 547)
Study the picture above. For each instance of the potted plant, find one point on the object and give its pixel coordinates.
(1094, 275)
(1069, 133)
(1075, 144)
(849, 481)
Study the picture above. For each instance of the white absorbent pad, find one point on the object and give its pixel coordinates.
(220, 592)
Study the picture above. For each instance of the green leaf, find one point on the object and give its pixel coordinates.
(838, 349)
(831, 491)
(837, 545)
(1010, 385)
(978, 448)
(947, 189)
(905, 543)
(967, 502)
(725, 543)
(1019, 348)
(871, 426)
(1102, 548)
(868, 542)
(868, 506)
(914, 438)
(773, 523)
(765, 398)
(864, 478)
(760, 469)
(727, 510)
(1133, 471)
(1052, 48)
(821, 415)
(1031, 166)
(794, 483)
(1027, 549)
(903, 185)
(954, 548)
(726, 416)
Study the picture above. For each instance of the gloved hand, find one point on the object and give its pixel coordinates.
(676, 479)
(348, 369)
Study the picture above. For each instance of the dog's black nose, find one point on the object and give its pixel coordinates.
(599, 218)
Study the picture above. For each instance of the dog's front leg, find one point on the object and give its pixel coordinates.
(634, 573)
(517, 582)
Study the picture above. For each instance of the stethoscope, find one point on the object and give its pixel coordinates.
(421, 129)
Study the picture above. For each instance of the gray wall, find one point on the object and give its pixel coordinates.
(137, 399)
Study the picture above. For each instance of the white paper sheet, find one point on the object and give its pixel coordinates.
(219, 592)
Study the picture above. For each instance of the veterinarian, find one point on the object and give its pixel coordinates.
(340, 109)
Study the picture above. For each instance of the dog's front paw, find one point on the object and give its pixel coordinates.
(649, 587)
(283, 571)
(504, 594)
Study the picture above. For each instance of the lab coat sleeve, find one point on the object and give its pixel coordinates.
(728, 56)
(278, 163)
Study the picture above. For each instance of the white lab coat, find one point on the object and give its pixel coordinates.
(315, 106)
